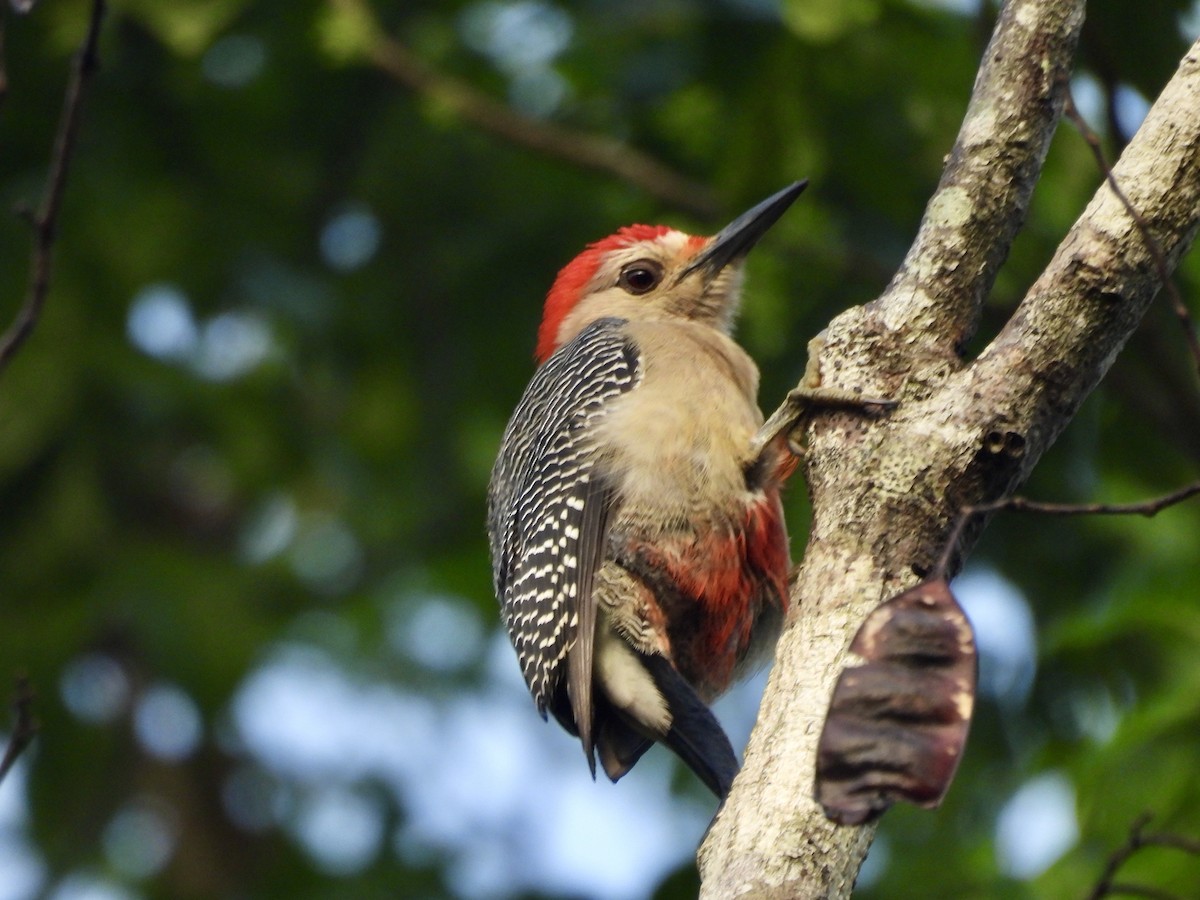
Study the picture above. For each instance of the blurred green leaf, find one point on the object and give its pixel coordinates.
(826, 20)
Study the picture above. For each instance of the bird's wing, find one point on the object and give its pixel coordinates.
(549, 505)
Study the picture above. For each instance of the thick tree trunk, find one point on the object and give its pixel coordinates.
(886, 489)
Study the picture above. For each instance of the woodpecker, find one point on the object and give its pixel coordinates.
(638, 544)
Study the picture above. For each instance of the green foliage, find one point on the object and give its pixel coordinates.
(291, 463)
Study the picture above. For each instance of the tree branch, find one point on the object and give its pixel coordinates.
(983, 196)
(1180, 309)
(45, 222)
(886, 489)
(1107, 886)
(1148, 508)
(1080, 312)
(588, 151)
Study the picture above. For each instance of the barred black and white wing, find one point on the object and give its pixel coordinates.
(548, 512)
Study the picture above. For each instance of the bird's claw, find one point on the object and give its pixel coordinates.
(801, 402)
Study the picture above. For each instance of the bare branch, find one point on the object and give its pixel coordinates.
(1160, 262)
(1107, 886)
(588, 151)
(1146, 508)
(983, 196)
(25, 727)
(1078, 315)
(45, 222)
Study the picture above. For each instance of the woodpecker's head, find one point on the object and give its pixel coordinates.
(655, 272)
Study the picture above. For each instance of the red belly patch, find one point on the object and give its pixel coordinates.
(719, 583)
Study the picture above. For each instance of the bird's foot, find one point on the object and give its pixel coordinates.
(808, 397)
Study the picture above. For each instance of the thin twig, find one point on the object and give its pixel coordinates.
(1156, 253)
(45, 222)
(1117, 858)
(1107, 887)
(25, 726)
(1021, 504)
(1173, 841)
(590, 151)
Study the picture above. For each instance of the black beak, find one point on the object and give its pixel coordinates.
(736, 239)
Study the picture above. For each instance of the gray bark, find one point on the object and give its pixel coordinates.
(886, 488)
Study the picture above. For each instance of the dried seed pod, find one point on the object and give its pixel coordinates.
(897, 724)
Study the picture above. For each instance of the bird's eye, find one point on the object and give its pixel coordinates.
(640, 277)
